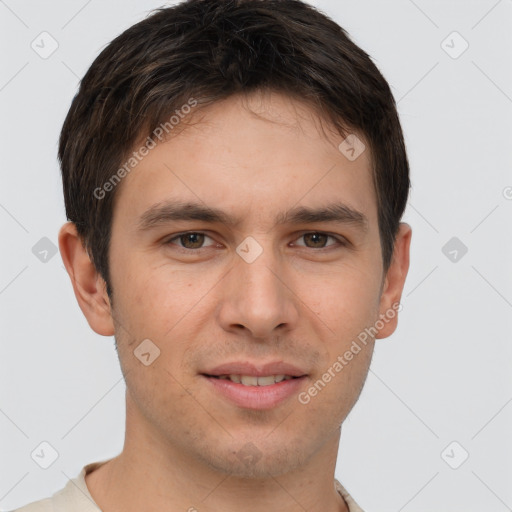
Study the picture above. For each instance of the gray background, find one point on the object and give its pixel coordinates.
(444, 376)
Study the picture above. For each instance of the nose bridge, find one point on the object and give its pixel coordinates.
(258, 297)
(259, 278)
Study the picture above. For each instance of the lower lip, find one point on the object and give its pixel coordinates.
(256, 397)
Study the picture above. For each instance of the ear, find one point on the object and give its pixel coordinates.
(394, 281)
(89, 287)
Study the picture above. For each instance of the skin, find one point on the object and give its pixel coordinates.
(301, 301)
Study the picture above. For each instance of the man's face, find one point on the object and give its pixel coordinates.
(206, 300)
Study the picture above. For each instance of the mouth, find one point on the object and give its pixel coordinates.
(263, 391)
(255, 384)
(253, 380)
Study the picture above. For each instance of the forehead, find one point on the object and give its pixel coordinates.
(254, 155)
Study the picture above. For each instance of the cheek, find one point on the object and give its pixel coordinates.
(153, 298)
(167, 307)
(345, 300)
(345, 306)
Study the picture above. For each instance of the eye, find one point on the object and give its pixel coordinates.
(318, 240)
(191, 240)
(194, 240)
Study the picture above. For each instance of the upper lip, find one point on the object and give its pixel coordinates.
(255, 369)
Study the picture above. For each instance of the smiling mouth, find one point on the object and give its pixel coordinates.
(256, 392)
(252, 380)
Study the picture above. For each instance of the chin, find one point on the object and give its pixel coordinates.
(255, 462)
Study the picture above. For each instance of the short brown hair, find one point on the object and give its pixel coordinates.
(210, 50)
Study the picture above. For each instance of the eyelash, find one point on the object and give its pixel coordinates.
(341, 242)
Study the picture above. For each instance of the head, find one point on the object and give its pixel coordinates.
(229, 121)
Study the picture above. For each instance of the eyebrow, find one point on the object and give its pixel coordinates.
(167, 211)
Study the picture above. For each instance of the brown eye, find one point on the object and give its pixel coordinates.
(191, 240)
(318, 240)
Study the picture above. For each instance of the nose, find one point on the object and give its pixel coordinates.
(258, 297)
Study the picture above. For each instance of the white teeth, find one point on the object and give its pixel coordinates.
(266, 381)
(248, 380)
(251, 380)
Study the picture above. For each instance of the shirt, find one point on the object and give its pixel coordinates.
(75, 496)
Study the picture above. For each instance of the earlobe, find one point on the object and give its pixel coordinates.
(394, 282)
(88, 285)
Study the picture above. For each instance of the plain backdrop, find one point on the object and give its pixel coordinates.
(439, 390)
